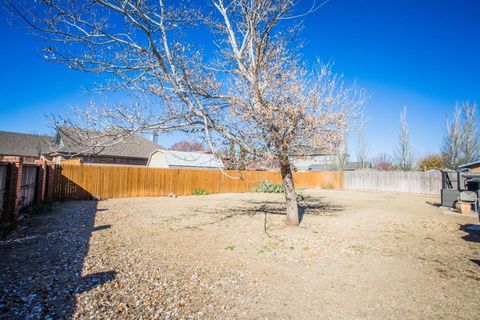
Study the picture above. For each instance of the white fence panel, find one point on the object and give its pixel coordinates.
(394, 181)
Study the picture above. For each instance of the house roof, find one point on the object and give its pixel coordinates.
(24, 144)
(190, 159)
(78, 142)
(469, 165)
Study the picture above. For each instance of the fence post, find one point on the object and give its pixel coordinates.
(41, 182)
(14, 190)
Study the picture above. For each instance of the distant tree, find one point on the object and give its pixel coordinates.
(362, 147)
(403, 153)
(383, 162)
(431, 162)
(452, 139)
(190, 146)
(342, 153)
(242, 160)
(470, 141)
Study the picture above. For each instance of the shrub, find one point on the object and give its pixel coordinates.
(200, 192)
(431, 162)
(328, 186)
(268, 187)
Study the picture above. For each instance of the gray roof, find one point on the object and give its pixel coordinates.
(79, 142)
(469, 165)
(23, 144)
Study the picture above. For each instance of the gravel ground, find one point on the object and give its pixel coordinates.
(356, 255)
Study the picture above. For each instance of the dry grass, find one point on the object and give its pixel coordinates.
(356, 255)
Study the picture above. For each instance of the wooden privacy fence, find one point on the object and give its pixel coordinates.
(105, 182)
(395, 181)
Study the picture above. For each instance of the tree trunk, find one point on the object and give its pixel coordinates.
(290, 195)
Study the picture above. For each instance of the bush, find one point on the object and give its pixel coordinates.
(200, 192)
(328, 186)
(268, 187)
(431, 162)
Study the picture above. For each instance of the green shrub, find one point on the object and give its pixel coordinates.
(200, 192)
(268, 187)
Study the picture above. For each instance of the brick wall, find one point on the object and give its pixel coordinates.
(13, 192)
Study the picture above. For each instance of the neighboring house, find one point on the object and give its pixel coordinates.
(29, 146)
(181, 159)
(315, 162)
(473, 166)
(76, 144)
(356, 165)
(325, 162)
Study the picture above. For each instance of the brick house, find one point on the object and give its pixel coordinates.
(24, 169)
(30, 147)
(76, 144)
(27, 165)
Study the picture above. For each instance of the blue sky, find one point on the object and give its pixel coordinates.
(422, 54)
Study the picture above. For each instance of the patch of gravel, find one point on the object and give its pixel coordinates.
(40, 269)
(356, 255)
(60, 265)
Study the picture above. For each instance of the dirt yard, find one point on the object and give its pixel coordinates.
(357, 255)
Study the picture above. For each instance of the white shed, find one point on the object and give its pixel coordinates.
(180, 159)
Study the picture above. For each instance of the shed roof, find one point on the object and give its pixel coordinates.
(24, 144)
(189, 159)
(471, 164)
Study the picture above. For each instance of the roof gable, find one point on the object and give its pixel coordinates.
(470, 165)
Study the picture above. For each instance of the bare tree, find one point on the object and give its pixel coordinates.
(362, 147)
(383, 162)
(452, 140)
(342, 153)
(470, 142)
(252, 88)
(403, 152)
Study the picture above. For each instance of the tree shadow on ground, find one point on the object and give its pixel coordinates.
(314, 206)
(308, 206)
(473, 232)
(41, 265)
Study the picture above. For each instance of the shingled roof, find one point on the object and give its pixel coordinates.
(78, 142)
(23, 144)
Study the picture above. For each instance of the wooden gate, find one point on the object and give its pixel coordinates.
(29, 185)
